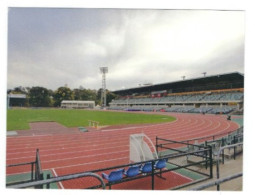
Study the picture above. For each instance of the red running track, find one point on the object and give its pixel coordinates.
(67, 152)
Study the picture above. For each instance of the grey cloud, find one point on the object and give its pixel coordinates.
(52, 47)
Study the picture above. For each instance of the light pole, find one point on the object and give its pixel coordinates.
(103, 71)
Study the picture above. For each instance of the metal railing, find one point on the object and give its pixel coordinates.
(222, 180)
(215, 136)
(152, 174)
(36, 171)
(58, 179)
(217, 182)
(218, 159)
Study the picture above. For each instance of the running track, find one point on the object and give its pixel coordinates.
(69, 151)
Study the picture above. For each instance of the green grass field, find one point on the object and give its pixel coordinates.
(20, 118)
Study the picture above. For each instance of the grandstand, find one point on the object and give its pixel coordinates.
(16, 100)
(217, 94)
(191, 151)
(78, 104)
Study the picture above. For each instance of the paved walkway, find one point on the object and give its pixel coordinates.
(230, 167)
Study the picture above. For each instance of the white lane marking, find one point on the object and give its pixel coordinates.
(56, 175)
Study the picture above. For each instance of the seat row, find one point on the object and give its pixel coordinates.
(132, 171)
(230, 96)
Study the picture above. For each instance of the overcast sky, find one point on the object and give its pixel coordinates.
(52, 47)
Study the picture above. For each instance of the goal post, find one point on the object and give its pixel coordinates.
(141, 148)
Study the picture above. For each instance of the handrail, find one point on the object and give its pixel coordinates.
(93, 173)
(217, 182)
(60, 178)
(218, 159)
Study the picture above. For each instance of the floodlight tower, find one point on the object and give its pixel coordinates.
(103, 71)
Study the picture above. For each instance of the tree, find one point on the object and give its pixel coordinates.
(85, 94)
(99, 94)
(89, 94)
(62, 93)
(39, 97)
(20, 90)
(109, 97)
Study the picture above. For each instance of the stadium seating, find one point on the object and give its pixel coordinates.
(132, 171)
(146, 168)
(204, 102)
(160, 164)
(114, 175)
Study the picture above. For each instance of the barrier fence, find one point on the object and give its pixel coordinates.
(220, 140)
(217, 182)
(220, 180)
(173, 166)
(36, 170)
(218, 159)
(227, 137)
(199, 155)
(185, 158)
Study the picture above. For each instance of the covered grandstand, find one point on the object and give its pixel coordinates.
(77, 104)
(16, 100)
(217, 94)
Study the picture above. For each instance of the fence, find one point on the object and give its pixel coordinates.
(35, 167)
(222, 180)
(226, 136)
(58, 179)
(172, 166)
(218, 159)
(219, 140)
(182, 157)
(193, 155)
(217, 182)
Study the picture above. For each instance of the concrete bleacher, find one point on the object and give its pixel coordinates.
(204, 102)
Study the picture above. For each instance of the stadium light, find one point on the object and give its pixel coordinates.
(103, 71)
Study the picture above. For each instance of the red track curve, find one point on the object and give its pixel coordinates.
(67, 153)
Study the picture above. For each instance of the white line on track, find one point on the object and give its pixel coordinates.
(195, 127)
(93, 155)
(190, 133)
(56, 175)
(89, 163)
(163, 128)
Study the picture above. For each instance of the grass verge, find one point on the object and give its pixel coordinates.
(18, 119)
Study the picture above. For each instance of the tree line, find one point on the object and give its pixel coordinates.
(43, 97)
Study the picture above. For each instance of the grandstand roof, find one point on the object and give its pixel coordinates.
(213, 82)
(78, 101)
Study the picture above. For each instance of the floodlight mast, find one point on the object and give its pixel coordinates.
(103, 71)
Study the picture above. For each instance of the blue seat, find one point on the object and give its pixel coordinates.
(114, 175)
(160, 164)
(146, 168)
(132, 171)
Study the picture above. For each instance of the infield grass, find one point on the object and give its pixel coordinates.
(20, 118)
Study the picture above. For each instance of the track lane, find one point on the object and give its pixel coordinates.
(78, 152)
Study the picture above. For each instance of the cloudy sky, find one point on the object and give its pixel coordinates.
(51, 47)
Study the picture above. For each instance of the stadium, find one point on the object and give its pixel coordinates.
(196, 144)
